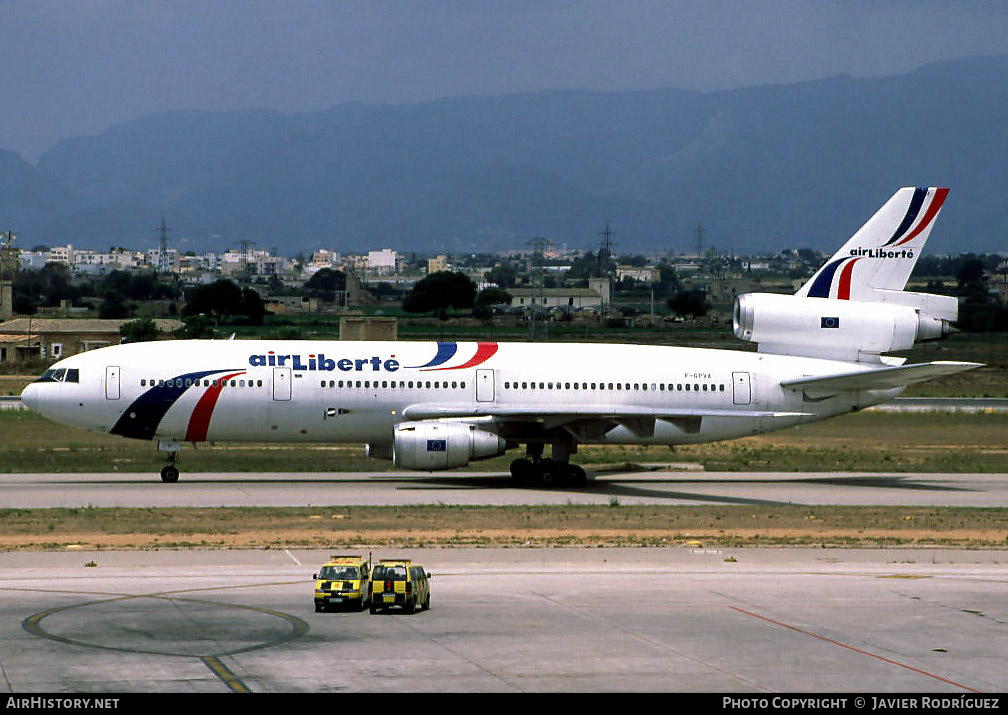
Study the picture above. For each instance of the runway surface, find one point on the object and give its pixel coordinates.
(473, 488)
(512, 620)
(509, 620)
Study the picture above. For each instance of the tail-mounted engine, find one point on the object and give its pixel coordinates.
(842, 329)
(433, 445)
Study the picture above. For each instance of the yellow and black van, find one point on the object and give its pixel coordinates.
(343, 582)
(399, 582)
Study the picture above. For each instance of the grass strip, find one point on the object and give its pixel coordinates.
(341, 527)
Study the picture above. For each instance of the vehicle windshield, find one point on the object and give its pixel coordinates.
(339, 573)
(389, 572)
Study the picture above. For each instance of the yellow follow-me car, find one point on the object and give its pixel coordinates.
(343, 582)
(399, 582)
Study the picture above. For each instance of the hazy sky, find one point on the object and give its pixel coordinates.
(73, 67)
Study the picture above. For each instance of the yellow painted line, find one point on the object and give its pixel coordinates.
(225, 674)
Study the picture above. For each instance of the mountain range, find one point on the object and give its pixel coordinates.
(760, 169)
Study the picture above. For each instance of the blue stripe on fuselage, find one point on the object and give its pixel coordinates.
(141, 419)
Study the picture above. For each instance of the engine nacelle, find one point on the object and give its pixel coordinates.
(432, 445)
(837, 329)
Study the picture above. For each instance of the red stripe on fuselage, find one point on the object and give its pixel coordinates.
(484, 352)
(199, 421)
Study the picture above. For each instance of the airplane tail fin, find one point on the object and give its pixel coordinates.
(854, 308)
(882, 253)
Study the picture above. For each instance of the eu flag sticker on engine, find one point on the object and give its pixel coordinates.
(829, 322)
(437, 445)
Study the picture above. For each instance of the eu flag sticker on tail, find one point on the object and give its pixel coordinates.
(828, 322)
(437, 445)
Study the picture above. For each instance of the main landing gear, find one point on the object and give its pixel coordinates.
(547, 473)
(554, 471)
(169, 472)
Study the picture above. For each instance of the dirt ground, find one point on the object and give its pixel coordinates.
(556, 526)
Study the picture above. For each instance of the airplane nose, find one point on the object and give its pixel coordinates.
(29, 397)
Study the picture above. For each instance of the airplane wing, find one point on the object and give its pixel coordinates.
(583, 421)
(885, 378)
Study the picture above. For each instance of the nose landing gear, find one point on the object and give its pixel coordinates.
(169, 472)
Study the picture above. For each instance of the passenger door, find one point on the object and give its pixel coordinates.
(741, 388)
(112, 382)
(281, 383)
(484, 385)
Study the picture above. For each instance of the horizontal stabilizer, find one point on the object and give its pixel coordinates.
(883, 378)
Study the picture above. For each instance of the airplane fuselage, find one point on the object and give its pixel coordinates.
(332, 391)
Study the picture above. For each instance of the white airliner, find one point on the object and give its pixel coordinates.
(439, 405)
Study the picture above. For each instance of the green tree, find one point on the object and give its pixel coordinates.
(139, 330)
(689, 302)
(223, 299)
(325, 283)
(440, 291)
(503, 275)
(488, 297)
(113, 305)
(197, 327)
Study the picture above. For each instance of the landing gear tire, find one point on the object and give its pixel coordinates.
(169, 473)
(522, 471)
(551, 473)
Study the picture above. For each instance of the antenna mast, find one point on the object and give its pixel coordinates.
(164, 265)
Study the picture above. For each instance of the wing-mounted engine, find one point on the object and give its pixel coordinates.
(431, 445)
(842, 329)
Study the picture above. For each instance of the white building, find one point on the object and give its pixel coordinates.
(383, 261)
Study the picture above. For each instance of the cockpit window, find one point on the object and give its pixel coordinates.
(60, 375)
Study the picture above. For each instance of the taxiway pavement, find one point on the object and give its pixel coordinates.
(476, 488)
